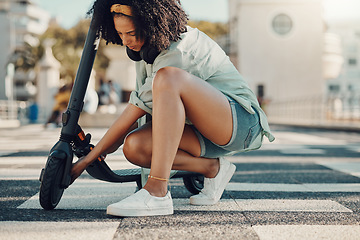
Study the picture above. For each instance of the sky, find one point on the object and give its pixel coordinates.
(341, 9)
(69, 12)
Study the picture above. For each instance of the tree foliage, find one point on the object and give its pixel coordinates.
(69, 46)
(24, 58)
(212, 29)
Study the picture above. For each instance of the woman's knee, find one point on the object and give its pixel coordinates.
(168, 78)
(136, 150)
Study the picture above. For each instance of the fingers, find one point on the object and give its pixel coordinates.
(76, 171)
(74, 176)
(72, 180)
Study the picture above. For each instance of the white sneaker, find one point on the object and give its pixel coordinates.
(214, 187)
(142, 204)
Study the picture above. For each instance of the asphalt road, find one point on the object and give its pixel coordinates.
(305, 185)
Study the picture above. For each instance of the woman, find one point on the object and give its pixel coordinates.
(201, 107)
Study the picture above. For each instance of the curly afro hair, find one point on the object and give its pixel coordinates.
(158, 22)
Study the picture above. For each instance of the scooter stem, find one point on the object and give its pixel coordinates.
(71, 116)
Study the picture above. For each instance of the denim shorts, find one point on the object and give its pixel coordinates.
(246, 127)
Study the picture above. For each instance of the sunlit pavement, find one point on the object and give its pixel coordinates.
(305, 185)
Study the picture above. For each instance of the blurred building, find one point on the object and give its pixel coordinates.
(282, 49)
(126, 77)
(277, 45)
(21, 22)
(344, 89)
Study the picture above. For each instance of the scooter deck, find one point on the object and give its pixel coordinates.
(100, 170)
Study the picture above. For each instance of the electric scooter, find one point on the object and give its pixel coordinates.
(55, 177)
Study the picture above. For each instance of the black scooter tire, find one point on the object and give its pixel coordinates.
(50, 188)
(194, 184)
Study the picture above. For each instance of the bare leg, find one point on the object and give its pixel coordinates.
(138, 150)
(177, 94)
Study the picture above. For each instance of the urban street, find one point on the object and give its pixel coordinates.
(305, 185)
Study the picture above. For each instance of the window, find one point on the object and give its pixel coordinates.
(260, 91)
(4, 7)
(334, 88)
(260, 94)
(352, 61)
(282, 24)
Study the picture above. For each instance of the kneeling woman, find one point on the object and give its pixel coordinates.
(201, 107)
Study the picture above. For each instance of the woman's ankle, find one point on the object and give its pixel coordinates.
(213, 168)
(156, 188)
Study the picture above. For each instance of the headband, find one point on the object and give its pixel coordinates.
(123, 9)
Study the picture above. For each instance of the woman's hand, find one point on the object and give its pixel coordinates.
(112, 139)
(77, 169)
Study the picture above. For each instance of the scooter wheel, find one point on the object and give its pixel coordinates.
(194, 184)
(50, 188)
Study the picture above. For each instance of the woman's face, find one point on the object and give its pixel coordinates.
(126, 30)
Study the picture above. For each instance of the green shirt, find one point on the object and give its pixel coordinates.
(199, 55)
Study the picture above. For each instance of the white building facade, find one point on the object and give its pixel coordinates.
(344, 90)
(279, 45)
(21, 22)
(282, 50)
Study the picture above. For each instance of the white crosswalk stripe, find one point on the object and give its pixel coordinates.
(286, 232)
(93, 194)
(58, 230)
(309, 187)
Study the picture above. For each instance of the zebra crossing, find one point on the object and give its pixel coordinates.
(303, 186)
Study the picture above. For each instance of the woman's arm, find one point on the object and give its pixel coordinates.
(114, 135)
(121, 140)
